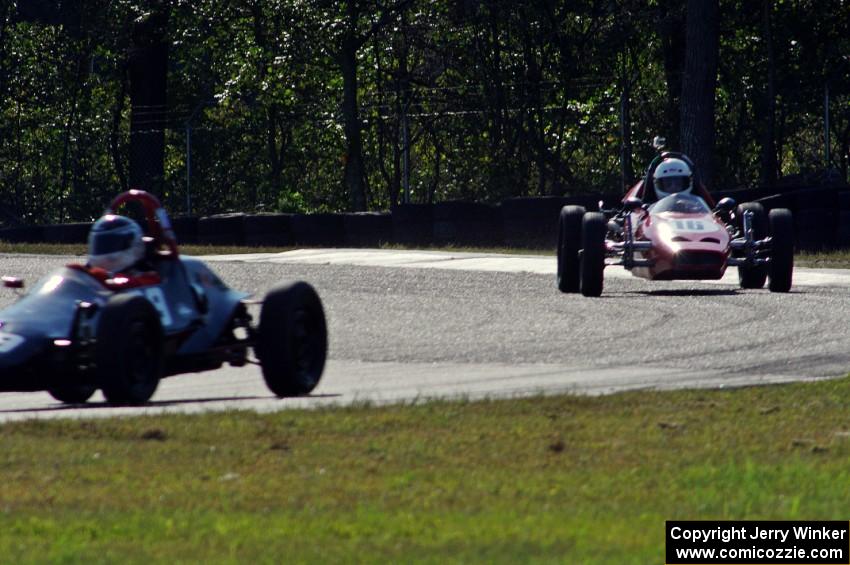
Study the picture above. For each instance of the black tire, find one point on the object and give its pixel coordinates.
(569, 243)
(753, 276)
(592, 264)
(129, 350)
(72, 394)
(293, 340)
(781, 266)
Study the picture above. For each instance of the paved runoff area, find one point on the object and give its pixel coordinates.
(408, 326)
(493, 262)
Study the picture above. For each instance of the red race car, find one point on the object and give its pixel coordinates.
(669, 228)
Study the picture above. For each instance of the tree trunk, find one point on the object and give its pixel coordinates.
(148, 69)
(671, 32)
(68, 133)
(350, 113)
(278, 136)
(698, 86)
(435, 180)
(625, 123)
(768, 144)
(115, 130)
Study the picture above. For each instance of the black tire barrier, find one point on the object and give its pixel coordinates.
(318, 230)
(815, 229)
(23, 234)
(531, 223)
(185, 229)
(222, 229)
(269, 230)
(367, 229)
(814, 199)
(842, 233)
(413, 224)
(67, 233)
(740, 195)
(590, 200)
(465, 223)
(776, 201)
(821, 220)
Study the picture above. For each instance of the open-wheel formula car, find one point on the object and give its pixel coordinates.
(675, 234)
(83, 328)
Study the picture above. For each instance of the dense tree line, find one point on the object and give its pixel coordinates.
(302, 105)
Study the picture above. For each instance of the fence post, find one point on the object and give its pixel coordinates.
(826, 123)
(188, 124)
(188, 169)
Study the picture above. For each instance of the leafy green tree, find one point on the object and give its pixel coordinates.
(285, 105)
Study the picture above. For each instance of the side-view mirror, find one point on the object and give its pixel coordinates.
(633, 204)
(726, 205)
(13, 282)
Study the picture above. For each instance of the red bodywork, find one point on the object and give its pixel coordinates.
(688, 240)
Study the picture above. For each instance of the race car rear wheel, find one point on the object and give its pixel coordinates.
(592, 264)
(569, 243)
(293, 340)
(781, 266)
(753, 276)
(128, 352)
(72, 394)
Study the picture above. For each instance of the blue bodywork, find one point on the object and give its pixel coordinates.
(47, 336)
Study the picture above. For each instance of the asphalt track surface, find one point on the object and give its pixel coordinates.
(407, 326)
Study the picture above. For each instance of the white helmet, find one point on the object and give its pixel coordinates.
(672, 176)
(115, 243)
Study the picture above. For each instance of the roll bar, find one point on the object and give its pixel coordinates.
(159, 225)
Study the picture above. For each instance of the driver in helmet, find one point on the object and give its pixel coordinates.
(675, 176)
(672, 176)
(117, 252)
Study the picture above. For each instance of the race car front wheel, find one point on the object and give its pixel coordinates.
(293, 339)
(129, 350)
(569, 243)
(72, 394)
(592, 264)
(781, 266)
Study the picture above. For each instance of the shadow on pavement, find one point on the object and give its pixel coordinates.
(59, 407)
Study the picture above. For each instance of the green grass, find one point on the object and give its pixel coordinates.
(471, 249)
(829, 259)
(80, 249)
(839, 259)
(553, 480)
